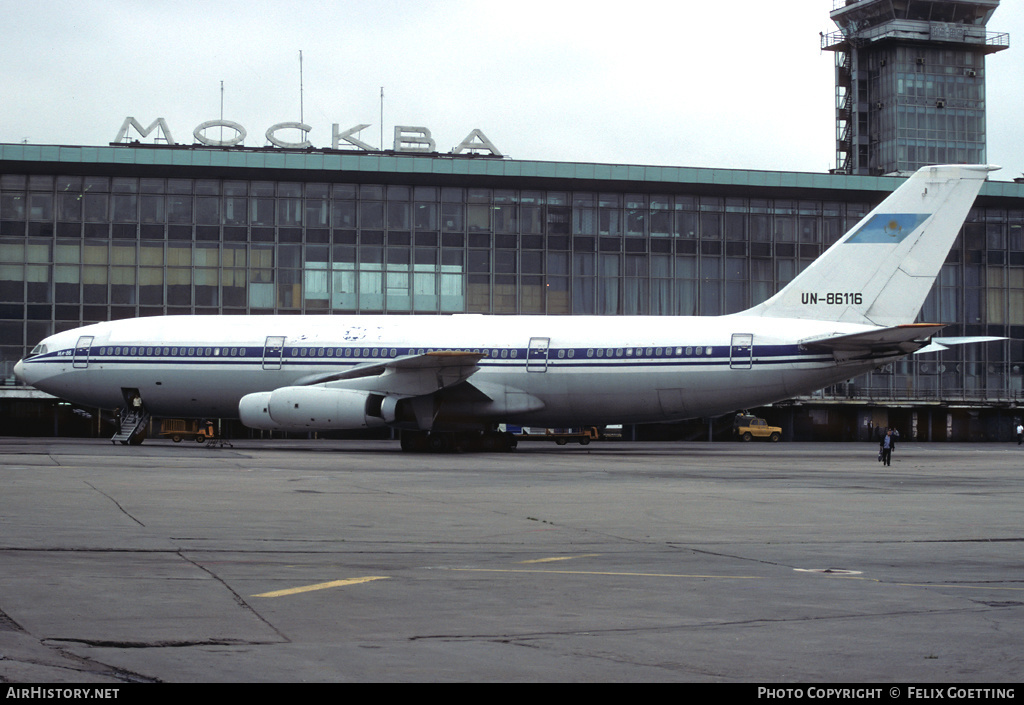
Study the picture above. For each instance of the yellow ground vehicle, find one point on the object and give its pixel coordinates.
(176, 429)
(747, 428)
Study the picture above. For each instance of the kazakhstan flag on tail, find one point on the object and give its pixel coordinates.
(889, 227)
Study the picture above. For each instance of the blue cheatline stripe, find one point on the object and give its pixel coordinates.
(516, 355)
(573, 357)
(888, 228)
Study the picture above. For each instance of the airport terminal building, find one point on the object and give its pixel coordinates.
(132, 229)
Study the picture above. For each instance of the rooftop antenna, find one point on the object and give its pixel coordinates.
(301, 113)
(222, 112)
(382, 118)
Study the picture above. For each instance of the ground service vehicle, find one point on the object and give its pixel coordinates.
(176, 429)
(749, 427)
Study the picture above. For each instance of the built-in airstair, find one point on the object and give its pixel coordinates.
(133, 426)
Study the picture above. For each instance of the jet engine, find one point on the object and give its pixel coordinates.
(253, 411)
(311, 408)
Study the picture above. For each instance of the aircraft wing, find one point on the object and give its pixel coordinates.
(876, 344)
(408, 375)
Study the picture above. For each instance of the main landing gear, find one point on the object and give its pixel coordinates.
(457, 442)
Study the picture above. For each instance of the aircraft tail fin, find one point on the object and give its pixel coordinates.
(880, 272)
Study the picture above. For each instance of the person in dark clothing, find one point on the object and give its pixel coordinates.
(886, 446)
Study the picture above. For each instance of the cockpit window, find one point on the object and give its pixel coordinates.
(38, 350)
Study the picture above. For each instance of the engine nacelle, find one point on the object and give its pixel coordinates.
(254, 413)
(313, 408)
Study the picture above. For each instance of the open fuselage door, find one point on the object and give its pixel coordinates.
(273, 352)
(741, 352)
(80, 360)
(537, 355)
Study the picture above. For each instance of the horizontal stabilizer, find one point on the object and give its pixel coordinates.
(876, 344)
(940, 344)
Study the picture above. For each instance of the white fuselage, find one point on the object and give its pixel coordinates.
(583, 369)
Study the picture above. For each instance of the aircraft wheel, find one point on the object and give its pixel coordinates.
(492, 441)
(412, 441)
(439, 443)
(415, 441)
(510, 442)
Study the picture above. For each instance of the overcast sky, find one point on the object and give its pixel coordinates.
(733, 84)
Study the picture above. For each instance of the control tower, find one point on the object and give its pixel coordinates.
(910, 82)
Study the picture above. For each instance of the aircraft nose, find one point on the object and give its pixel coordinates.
(19, 371)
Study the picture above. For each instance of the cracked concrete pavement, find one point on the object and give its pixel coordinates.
(351, 561)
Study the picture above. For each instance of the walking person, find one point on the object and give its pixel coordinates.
(886, 447)
(1020, 432)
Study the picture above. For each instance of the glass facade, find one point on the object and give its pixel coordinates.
(79, 248)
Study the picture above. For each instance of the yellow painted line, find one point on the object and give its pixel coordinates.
(560, 558)
(321, 586)
(594, 572)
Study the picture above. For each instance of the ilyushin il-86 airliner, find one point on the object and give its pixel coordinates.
(446, 381)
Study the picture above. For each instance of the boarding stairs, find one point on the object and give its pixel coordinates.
(133, 423)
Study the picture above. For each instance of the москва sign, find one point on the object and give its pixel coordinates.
(407, 138)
